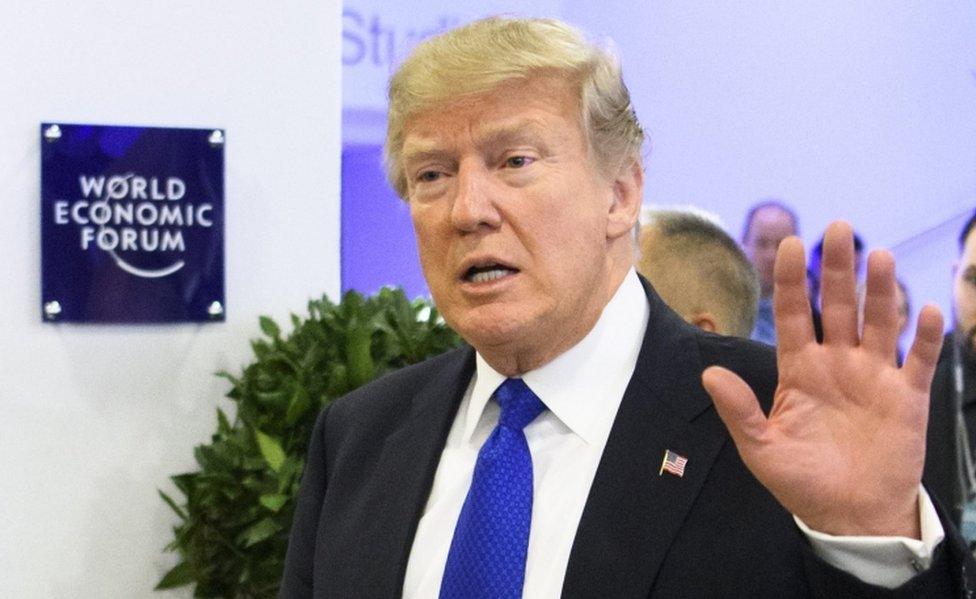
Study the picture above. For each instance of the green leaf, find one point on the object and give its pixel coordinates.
(290, 470)
(273, 502)
(258, 532)
(172, 504)
(226, 375)
(260, 349)
(179, 576)
(185, 482)
(254, 463)
(269, 327)
(361, 367)
(297, 407)
(223, 425)
(271, 449)
(271, 398)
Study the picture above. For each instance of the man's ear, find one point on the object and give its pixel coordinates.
(628, 194)
(705, 321)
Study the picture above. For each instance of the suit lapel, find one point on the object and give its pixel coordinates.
(633, 513)
(405, 473)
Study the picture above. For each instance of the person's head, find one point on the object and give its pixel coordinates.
(699, 270)
(516, 146)
(964, 284)
(482, 56)
(767, 224)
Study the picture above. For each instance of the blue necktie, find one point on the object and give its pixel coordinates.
(491, 539)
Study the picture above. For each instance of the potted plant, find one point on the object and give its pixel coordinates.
(236, 510)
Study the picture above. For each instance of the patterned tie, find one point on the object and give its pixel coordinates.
(491, 539)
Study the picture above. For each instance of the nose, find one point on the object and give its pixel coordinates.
(474, 205)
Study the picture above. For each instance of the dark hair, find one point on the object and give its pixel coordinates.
(771, 203)
(858, 245)
(966, 230)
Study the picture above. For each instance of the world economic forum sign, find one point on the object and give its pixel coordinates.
(132, 222)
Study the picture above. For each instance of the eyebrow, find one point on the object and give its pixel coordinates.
(527, 131)
(424, 153)
(522, 131)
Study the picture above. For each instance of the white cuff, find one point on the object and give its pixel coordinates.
(883, 561)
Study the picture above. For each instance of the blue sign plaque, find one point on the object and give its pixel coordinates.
(132, 222)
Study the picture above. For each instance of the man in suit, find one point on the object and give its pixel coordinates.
(950, 473)
(572, 450)
(699, 271)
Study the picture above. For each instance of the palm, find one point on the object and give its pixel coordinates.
(844, 444)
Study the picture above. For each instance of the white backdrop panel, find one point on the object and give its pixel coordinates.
(94, 418)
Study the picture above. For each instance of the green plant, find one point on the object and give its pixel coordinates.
(237, 509)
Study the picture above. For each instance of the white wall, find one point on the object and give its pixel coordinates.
(94, 418)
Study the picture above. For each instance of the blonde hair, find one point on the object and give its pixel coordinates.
(480, 56)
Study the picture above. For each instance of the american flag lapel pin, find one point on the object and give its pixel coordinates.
(673, 463)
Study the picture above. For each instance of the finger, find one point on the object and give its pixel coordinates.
(920, 363)
(737, 406)
(880, 334)
(791, 306)
(838, 297)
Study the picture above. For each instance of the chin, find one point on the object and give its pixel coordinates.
(489, 334)
(484, 328)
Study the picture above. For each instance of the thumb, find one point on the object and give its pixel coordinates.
(737, 406)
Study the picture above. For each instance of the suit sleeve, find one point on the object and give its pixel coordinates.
(296, 582)
(953, 569)
(952, 574)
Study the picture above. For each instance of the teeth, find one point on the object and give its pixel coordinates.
(489, 275)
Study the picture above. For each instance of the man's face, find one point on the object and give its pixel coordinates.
(770, 226)
(964, 291)
(511, 216)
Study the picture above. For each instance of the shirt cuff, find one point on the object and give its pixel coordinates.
(883, 561)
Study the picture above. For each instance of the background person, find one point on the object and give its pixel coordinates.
(949, 465)
(699, 271)
(767, 224)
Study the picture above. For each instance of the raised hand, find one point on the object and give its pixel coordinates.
(844, 444)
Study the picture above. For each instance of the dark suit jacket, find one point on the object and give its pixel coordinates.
(941, 475)
(716, 532)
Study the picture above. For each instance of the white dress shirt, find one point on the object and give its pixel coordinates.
(582, 389)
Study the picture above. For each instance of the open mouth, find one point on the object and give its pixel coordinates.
(488, 272)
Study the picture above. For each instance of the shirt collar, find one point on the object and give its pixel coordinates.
(584, 385)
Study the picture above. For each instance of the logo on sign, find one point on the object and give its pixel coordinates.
(128, 215)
